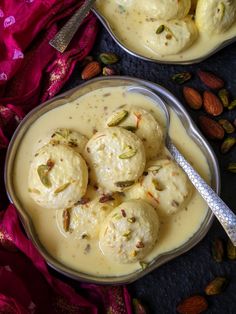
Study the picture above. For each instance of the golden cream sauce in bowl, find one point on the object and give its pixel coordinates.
(84, 109)
(131, 27)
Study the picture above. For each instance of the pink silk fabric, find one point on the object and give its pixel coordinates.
(31, 71)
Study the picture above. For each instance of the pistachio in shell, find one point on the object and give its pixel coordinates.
(181, 78)
(216, 286)
(228, 144)
(231, 250)
(108, 58)
(232, 105)
(118, 117)
(227, 126)
(232, 167)
(224, 97)
(217, 250)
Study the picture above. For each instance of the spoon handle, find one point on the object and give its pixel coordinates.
(222, 212)
(64, 36)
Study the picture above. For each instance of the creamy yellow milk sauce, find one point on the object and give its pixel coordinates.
(86, 115)
(127, 25)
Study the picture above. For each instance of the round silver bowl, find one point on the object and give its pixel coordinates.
(116, 38)
(68, 97)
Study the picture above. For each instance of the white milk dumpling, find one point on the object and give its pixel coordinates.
(164, 9)
(116, 158)
(129, 232)
(88, 214)
(69, 137)
(143, 124)
(58, 176)
(169, 37)
(215, 16)
(164, 185)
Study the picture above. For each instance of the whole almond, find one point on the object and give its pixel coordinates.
(193, 305)
(212, 104)
(91, 70)
(192, 97)
(210, 79)
(212, 129)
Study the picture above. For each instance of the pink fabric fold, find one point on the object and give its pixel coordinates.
(31, 71)
(27, 287)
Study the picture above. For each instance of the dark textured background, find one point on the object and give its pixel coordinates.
(188, 274)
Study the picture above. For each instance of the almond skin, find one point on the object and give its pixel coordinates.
(212, 129)
(212, 104)
(210, 80)
(91, 70)
(193, 305)
(192, 97)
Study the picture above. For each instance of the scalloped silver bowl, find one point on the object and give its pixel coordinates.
(70, 96)
(118, 40)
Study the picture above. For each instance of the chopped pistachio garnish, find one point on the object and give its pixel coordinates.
(66, 219)
(221, 10)
(129, 153)
(157, 185)
(34, 191)
(127, 234)
(61, 188)
(117, 216)
(131, 220)
(130, 128)
(124, 184)
(118, 117)
(154, 169)
(43, 172)
(160, 29)
(143, 265)
(134, 253)
(121, 8)
(84, 236)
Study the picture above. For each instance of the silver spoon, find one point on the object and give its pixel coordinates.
(62, 39)
(222, 212)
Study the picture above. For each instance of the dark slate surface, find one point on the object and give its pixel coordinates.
(188, 274)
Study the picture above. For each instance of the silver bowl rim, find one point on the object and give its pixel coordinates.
(194, 133)
(108, 27)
